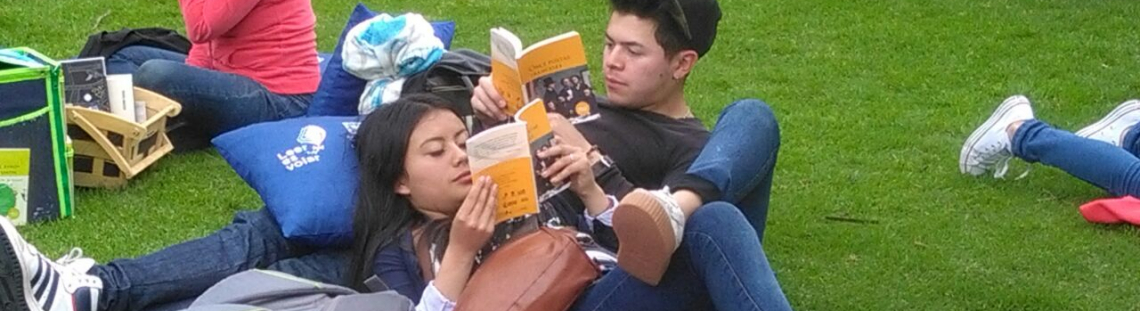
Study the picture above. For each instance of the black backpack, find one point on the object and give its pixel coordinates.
(454, 78)
(106, 43)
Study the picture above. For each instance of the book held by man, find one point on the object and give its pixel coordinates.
(553, 70)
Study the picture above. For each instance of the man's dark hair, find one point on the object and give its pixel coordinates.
(681, 24)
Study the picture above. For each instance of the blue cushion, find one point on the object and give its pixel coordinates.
(445, 31)
(339, 91)
(304, 169)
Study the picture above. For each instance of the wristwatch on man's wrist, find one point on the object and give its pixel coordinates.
(603, 165)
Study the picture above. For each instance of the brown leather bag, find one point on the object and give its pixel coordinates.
(544, 270)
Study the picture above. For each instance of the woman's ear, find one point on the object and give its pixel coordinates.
(402, 186)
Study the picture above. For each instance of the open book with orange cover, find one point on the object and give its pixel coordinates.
(508, 153)
(553, 70)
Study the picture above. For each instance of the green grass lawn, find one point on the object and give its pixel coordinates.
(874, 99)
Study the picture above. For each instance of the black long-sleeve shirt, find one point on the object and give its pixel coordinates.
(649, 149)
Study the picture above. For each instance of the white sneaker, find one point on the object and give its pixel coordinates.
(31, 282)
(988, 148)
(649, 226)
(1112, 128)
(74, 260)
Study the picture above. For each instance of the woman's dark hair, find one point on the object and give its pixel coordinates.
(381, 214)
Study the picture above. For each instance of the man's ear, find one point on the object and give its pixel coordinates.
(683, 63)
(402, 186)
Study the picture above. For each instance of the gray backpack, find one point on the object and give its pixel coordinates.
(261, 290)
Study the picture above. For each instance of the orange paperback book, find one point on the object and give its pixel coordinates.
(553, 70)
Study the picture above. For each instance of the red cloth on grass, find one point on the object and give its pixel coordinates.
(1113, 211)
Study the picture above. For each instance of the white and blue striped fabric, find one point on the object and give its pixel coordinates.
(387, 49)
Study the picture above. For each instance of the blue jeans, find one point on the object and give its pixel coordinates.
(720, 265)
(739, 159)
(179, 273)
(1112, 168)
(213, 102)
(129, 59)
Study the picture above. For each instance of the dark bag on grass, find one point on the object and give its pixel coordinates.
(106, 43)
(454, 78)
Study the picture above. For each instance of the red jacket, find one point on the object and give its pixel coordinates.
(270, 41)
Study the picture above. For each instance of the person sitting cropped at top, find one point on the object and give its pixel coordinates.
(251, 61)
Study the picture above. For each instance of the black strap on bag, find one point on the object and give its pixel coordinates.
(454, 78)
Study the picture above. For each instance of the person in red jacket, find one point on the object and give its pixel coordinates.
(252, 61)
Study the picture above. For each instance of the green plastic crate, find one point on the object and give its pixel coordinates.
(34, 169)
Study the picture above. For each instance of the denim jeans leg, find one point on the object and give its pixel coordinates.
(185, 270)
(326, 266)
(127, 60)
(1131, 141)
(731, 261)
(679, 289)
(720, 264)
(740, 158)
(215, 102)
(1104, 165)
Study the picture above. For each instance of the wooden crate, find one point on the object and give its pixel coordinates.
(110, 150)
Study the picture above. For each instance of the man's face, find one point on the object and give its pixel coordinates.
(637, 71)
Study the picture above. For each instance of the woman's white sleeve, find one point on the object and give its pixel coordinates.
(433, 300)
(606, 217)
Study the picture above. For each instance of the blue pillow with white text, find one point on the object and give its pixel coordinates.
(304, 169)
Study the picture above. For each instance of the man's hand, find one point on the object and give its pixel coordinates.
(488, 104)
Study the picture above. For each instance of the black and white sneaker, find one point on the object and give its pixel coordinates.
(29, 281)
